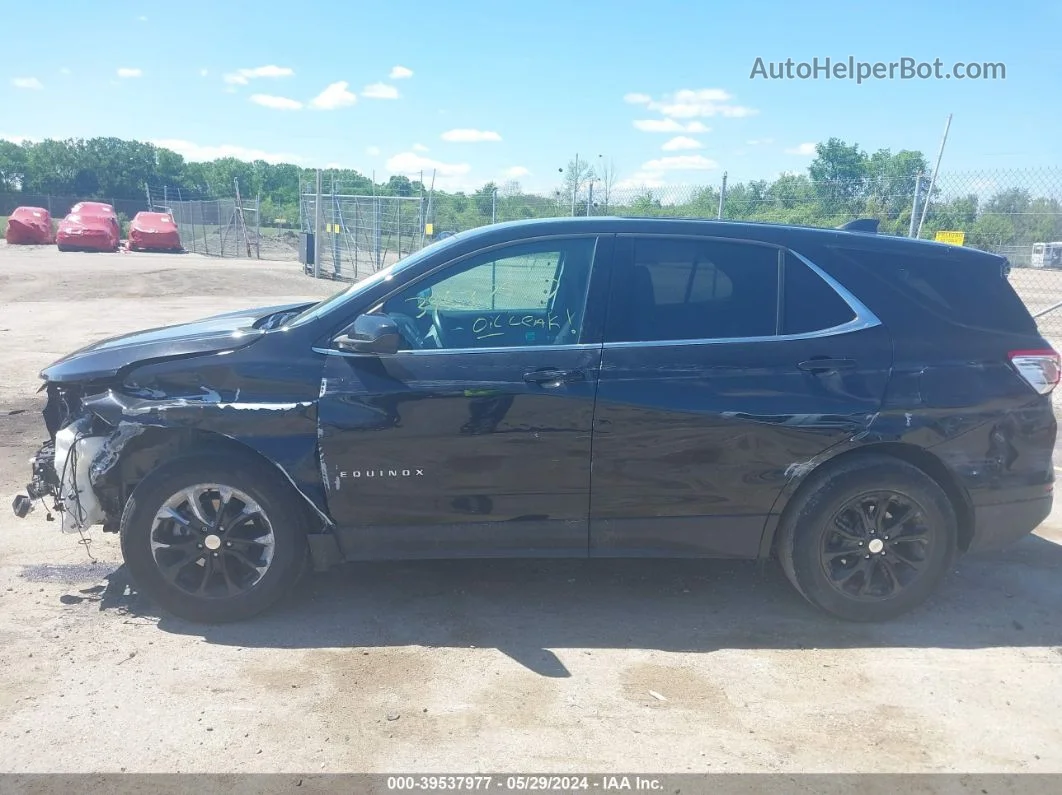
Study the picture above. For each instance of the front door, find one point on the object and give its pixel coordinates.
(475, 439)
(727, 366)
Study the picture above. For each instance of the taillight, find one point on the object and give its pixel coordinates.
(1041, 368)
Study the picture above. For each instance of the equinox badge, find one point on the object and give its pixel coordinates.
(383, 473)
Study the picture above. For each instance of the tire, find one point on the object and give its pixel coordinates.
(234, 589)
(819, 539)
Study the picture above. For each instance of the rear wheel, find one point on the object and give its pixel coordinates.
(868, 539)
(213, 538)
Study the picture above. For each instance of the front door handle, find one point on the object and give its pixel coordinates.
(826, 364)
(550, 377)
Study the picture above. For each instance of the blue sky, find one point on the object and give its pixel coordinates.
(494, 90)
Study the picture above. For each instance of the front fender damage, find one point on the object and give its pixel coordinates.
(119, 438)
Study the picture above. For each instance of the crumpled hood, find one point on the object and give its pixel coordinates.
(214, 334)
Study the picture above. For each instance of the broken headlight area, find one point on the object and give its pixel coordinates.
(60, 469)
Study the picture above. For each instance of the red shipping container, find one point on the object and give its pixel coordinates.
(29, 226)
(154, 232)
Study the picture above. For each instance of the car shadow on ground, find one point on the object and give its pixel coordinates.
(526, 608)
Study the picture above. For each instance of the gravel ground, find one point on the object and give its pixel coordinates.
(500, 666)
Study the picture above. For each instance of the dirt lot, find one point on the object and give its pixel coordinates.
(491, 666)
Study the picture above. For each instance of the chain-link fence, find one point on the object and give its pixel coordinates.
(1014, 213)
(209, 227)
(227, 227)
(358, 235)
(59, 206)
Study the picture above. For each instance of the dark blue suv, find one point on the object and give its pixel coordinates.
(860, 407)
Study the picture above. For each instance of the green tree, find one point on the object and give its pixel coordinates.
(839, 172)
(399, 186)
(12, 166)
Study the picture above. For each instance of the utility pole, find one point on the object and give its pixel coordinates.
(494, 206)
(575, 183)
(914, 204)
(933, 179)
(317, 229)
(722, 198)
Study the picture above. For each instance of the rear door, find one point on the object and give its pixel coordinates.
(726, 364)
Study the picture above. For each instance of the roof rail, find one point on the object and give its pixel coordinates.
(868, 225)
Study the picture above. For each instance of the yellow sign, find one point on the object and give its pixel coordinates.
(333, 229)
(955, 238)
(429, 229)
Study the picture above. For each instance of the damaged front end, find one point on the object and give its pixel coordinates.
(60, 468)
(119, 410)
(102, 444)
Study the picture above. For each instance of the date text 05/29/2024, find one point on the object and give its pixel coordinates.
(530, 783)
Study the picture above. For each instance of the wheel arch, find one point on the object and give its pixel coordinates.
(929, 464)
(133, 453)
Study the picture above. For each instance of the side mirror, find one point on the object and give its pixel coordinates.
(369, 334)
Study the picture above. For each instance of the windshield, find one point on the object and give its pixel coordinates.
(343, 296)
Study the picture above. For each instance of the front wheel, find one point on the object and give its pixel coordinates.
(213, 538)
(868, 539)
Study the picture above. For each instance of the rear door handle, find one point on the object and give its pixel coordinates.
(553, 378)
(826, 364)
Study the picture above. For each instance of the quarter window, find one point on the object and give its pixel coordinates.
(810, 303)
(688, 289)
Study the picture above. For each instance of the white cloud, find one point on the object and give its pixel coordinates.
(412, 163)
(336, 95)
(680, 163)
(128, 71)
(515, 172)
(64, 71)
(693, 103)
(373, 151)
(669, 125)
(204, 72)
(759, 142)
(380, 91)
(15, 139)
(681, 142)
(241, 76)
(689, 104)
(641, 180)
(805, 149)
(198, 153)
(465, 135)
(400, 73)
(274, 102)
(141, 19)
(420, 148)
(31, 83)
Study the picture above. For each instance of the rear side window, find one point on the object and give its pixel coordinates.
(681, 289)
(809, 302)
(970, 291)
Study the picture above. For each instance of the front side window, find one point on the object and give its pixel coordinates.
(525, 294)
(687, 289)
